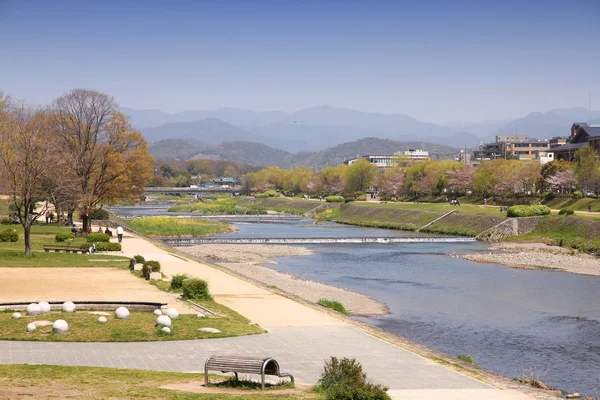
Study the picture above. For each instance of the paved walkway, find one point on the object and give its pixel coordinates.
(300, 337)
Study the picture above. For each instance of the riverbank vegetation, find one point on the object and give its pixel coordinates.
(334, 305)
(178, 227)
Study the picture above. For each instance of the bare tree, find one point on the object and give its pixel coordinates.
(25, 157)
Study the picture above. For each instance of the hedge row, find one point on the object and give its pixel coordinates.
(63, 237)
(528, 211)
(8, 235)
(97, 237)
(334, 199)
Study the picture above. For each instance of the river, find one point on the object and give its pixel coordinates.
(508, 320)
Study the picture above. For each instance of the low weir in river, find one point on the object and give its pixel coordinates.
(309, 240)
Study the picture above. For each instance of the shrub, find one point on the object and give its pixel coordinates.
(527, 211)
(194, 288)
(564, 211)
(465, 358)
(154, 264)
(345, 380)
(6, 221)
(577, 194)
(334, 199)
(177, 281)
(8, 235)
(261, 195)
(98, 214)
(63, 237)
(549, 196)
(104, 246)
(272, 193)
(334, 305)
(139, 259)
(97, 237)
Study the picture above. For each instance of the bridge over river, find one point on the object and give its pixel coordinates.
(383, 240)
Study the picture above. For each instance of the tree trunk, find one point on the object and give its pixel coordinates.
(70, 217)
(27, 231)
(85, 222)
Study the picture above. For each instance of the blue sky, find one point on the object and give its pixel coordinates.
(434, 60)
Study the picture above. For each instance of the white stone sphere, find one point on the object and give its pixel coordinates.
(44, 306)
(157, 312)
(60, 326)
(122, 313)
(34, 309)
(102, 320)
(68, 306)
(163, 320)
(166, 329)
(172, 313)
(31, 327)
(200, 315)
(16, 315)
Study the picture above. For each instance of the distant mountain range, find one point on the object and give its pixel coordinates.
(318, 128)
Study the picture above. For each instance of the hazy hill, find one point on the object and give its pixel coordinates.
(175, 149)
(210, 131)
(555, 122)
(258, 154)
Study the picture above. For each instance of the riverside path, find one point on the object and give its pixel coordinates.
(299, 336)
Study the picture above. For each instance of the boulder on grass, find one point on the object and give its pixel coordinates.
(200, 315)
(16, 315)
(209, 330)
(60, 327)
(157, 312)
(31, 327)
(44, 306)
(41, 323)
(102, 320)
(163, 320)
(68, 306)
(122, 313)
(34, 309)
(166, 329)
(173, 313)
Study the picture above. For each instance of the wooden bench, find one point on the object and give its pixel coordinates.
(247, 365)
(68, 249)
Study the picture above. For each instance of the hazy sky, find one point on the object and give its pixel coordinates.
(434, 60)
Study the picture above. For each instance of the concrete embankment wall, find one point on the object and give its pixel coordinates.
(510, 227)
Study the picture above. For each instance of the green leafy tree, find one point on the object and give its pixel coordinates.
(360, 175)
(587, 169)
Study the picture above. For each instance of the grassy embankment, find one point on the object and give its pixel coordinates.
(46, 381)
(223, 205)
(11, 253)
(178, 227)
(284, 205)
(574, 204)
(83, 327)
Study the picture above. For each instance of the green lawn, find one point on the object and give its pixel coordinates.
(11, 253)
(171, 226)
(438, 207)
(84, 327)
(47, 381)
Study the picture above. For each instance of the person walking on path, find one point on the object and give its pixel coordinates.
(120, 233)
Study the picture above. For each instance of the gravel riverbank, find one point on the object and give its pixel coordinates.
(539, 256)
(248, 260)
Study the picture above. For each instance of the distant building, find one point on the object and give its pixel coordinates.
(516, 147)
(224, 181)
(388, 161)
(582, 135)
(545, 157)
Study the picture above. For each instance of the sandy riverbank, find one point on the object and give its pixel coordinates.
(539, 256)
(248, 261)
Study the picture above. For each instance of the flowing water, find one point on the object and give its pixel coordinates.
(508, 320)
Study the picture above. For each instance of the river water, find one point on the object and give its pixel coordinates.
(508, 320)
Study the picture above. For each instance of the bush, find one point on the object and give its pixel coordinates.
(97, 237)
(261, 195)
(197, 289)
(6, 221)
(98, 214)
(272, 193)
(177, 281)
(527, 211)
(104, 246)
(154, 264)
(334, 199)
(139, 259)
(345, 380)
(549, 196)
(334, 305)
(63, 237)
(577, 194)
(8, 235)
(465, 358)
(564, 211)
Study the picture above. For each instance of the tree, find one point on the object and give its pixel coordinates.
(460, 180)
(360, 175)
(109, 159)
(27, 161)
(587, 169)
(562, 181)
(391, 182)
